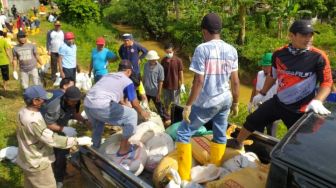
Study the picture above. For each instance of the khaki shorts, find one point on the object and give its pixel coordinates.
(41, 179)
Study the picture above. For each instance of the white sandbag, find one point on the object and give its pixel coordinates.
(157, 147)
(58, 79)
(202, 174)
(238, 162)
(136, 164)
(145, 131)
(83, 114)
(80, 77)
(154, 117)
(87, 82)
(9, 153)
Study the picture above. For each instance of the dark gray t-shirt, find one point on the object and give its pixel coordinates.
(24, 54)
(56, 112)
(152, 76)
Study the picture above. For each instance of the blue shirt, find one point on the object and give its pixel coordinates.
(216, 60)
(68, 54)
(100, 60)
(132, 54)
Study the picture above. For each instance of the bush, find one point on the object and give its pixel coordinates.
(79, 12)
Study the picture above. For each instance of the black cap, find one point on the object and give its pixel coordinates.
(303, 27)
(21, 34)
(125, 64)
(72, 93)
(211, 22)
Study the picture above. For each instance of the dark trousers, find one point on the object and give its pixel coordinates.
(269, 112)
(59, 166)
(70, 73)
(159, 107)
(53, 65)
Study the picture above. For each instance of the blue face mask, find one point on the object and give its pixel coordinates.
(170, 55)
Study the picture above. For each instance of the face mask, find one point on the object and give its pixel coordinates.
(170, 55)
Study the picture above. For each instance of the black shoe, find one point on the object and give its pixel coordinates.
(233, 143)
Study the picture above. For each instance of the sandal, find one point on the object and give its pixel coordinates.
(132, 148)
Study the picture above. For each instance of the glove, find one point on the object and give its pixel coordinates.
(84, 141)
(15, 75)
(234, 109)
(317, 107)
(257, 99)
(250, 107)
(69, 131)
(186, 113)
(182, 88)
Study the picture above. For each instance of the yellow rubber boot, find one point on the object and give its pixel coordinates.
(217, 153)
(37, 30)
(184, 160)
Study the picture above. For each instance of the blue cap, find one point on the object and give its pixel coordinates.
(127, 36)
(36, 92)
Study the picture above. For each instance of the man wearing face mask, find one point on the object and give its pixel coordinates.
(67, 61)
(57, 114)
(298, 67)
(215, 64)
(173, 73)
(26, 55)
(100, 57)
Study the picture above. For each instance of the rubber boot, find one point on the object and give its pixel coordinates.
(217, 153)
(184, 160)
(37, 30)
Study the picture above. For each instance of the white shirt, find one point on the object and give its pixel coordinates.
(56, 40)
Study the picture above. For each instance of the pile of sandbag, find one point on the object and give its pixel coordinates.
(152, 145)
(83, 81)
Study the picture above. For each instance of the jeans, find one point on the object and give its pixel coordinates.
(199, 116)
(159, 107)
(115, 114)
(169, 96)
(59, 165)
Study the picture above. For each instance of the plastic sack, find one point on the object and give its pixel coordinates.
(145, 131)
(87, 82)
(157, 147)
(172, 130)
(136, 165)
(58, 79)
(246, 177)
(202, 174)
(9, 153)
(238, 162)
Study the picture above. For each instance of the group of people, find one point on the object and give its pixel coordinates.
(285, 90)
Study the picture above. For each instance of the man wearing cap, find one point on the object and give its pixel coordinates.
(56, 114)
(67, 59)
(131, 50)
(152, 80)
(55, 39)
(26, 55)
(298, 67)
(104, 104)
(258, 83)
(215, 65)
(35, 140)
(100, 57)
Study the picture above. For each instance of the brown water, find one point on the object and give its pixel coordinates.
(245, 91)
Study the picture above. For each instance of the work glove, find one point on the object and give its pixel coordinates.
(250, 107)
(317, 107)
(69, 131)
(186, 113)
(15, 75)
(257, 99)
(84, 141)
(234, 109)
(182, 88)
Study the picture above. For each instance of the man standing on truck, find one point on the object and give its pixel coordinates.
(215, 64)
(104, 104)
(298, 66)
